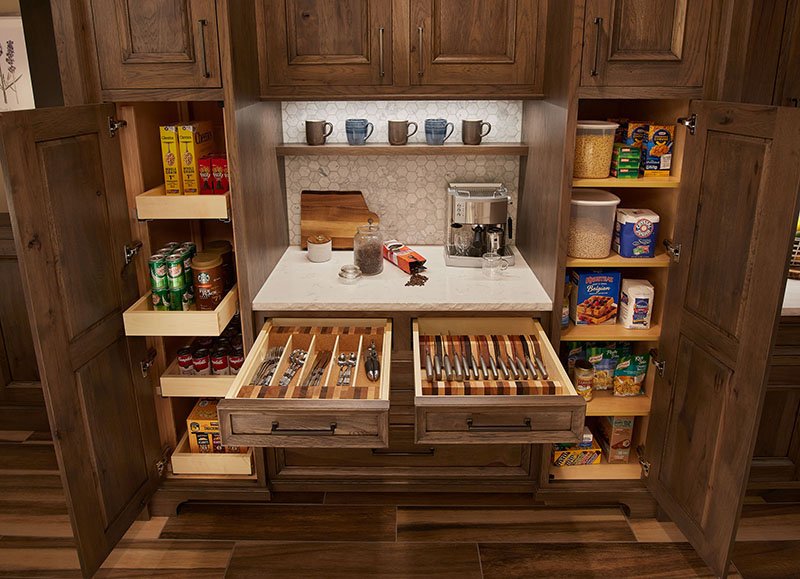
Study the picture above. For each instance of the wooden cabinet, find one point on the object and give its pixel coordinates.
(638, 43)
(157, 44)
(477, 42)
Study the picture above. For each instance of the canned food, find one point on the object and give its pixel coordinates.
(175, 277)
(201, 360)
(219, 362)
(158, 271)
(584, 377)
(236, 359)
(185, 360)
(202, 342)
(160, 298)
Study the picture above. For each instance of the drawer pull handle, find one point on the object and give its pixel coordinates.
(380, 452)
(598, 23)
(499, 427)
(201, 25)
(300, 432)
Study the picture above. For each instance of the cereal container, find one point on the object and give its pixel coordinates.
(591, 223)
(594, 143)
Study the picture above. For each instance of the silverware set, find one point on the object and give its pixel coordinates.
(321, 361)
(267, 369)
(296, 360)
(346, 364)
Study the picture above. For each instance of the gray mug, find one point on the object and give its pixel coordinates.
(437, 131)
(358, 131)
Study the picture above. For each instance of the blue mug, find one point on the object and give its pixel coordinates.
(436, 131)
(358, 131)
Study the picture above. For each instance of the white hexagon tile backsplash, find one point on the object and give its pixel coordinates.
(407, 192)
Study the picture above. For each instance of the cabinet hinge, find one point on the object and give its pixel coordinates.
(130, 251)
(115, 125)
(643, 462)
(661, 365)
(147, 363)
(161, 464)
(674, 251)
(689, 122)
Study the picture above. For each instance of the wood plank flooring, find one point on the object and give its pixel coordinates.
(361, 535)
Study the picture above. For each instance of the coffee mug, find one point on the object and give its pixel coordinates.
(472, 131)
(358, 131)
(398, 132)
(436, 131)
(317, 132)
(493, 265)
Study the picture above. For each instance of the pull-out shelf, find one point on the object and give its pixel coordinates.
(304, 412)
(544, 409)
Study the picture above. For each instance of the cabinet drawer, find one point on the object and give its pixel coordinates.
(496, 410)
(267, 405)
(186, 462)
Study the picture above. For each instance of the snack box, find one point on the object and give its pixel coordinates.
(196, 140)
(626, 173)
(171, 158)
(202, 425)
(576, 455)
(636, 304)
(625, 164)
(206, 178)
(637, 133)
(621, 150)
(636, 232)
(595, 296)
(616, 436)
(219, 167)
(657, 160)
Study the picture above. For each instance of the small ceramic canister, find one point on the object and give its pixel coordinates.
(319, 248)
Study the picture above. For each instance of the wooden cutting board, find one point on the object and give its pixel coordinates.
(336, 214)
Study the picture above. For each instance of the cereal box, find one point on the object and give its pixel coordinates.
(616, 436)
(206, 178)
(196, 141)
(219, 167)
(636, 232)
(170, 157)
(595, 296)
(657, 160)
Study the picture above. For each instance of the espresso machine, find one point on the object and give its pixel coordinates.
(478, 222)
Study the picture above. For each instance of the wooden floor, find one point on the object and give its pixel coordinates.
(357, 535)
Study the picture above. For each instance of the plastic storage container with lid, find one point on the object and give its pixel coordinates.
(594, 145)
(591, 223)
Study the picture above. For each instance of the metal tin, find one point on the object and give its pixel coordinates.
(219, 362)
(201, 360)
(185, 360)
(236, 359)
(158, 272)
(160, 298)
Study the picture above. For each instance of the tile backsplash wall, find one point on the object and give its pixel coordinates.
(407, 192)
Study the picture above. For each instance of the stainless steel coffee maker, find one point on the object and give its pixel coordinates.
(478, 222)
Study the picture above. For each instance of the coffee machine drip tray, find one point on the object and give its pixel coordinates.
(453, 258)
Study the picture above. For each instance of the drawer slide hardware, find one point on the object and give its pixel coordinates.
(380, 452)
(115, 125)
(303, 432)
(661, 365)
(689, 122)
(131, 251)
(525, 427)
(674, 251)
(645, 464)
(148, 362)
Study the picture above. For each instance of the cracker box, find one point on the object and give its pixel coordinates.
(206, 177)
(637, 133)
(616, 436)
(636, 232)
(636, 304)
(202, 423)
(595, 297)
(196, 141)
(219, 167)
(657, 160)
(576, 454)
(170, 157)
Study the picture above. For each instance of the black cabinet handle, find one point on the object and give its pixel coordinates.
(201, 24)
(598, 22)
(795, 102)
(300, 432)
(525, 427)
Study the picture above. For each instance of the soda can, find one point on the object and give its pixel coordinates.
(160, 299)
(187, 266)
(188, 296)
(176, 299)
(158, 272)
(191, 246)
(175, 277)
(172, 245)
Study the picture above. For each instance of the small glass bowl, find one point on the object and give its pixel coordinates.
(349, 274)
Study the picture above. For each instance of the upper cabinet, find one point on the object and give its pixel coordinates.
(640, 43)
(157, 44)
(477, 42)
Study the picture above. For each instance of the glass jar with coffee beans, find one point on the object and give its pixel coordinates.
(368, 249)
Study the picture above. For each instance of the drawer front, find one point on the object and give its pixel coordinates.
(540, 410)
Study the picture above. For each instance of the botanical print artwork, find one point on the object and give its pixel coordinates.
(16, 91)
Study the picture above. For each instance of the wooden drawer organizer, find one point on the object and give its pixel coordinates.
(173, 383)
(494, 411)
(325, 415)
(194, 463)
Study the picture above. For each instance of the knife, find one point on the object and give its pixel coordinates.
(429, 365)
(448, 367)
(499, 357)
(534, 374)
(472, 362)
(437, 358)
(512, 365)
(538, 359)
(464, 359)
(456, 360)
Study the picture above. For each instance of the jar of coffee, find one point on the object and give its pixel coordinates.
(209, 288)
(224, 249)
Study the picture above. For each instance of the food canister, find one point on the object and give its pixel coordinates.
(594, 145)
(209, 287)
(584, 378)
(591, 223)
(224, 249)
(319, 248)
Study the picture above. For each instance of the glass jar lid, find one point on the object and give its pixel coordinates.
(350, 271)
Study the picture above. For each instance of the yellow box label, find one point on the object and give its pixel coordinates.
(170, 156)
(196, 141)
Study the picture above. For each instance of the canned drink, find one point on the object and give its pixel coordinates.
(236, 359)
(176, 299)
(175, 277)
(160, 298)
(219, 362)
(172, 245)
(191, 246)
(188, 297)
(158, 271)
(187, 266)
(185, 360)
(201, 360)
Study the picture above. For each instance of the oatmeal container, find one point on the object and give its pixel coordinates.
(591, 223)
(594, 144)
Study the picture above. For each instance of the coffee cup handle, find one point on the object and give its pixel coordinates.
(414, 132)
(503, 264)
(329, 130)
(450, 132)
(369, 132)
(488, 129)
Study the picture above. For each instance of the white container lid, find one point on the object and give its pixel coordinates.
(626, 215)
(594, 198)
(597, 125)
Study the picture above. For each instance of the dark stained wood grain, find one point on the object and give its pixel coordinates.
(498, 525)
(767, 559)
(180, 558)
(39, 456)
(386, 560)
(428, 499)
(283, 523)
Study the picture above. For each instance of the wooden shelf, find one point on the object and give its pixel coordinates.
(141, 320)
(186, 462)
(609, 332)
(601, 471)
(643, 182)
(615, 260)
(605, 403)
(154, 204)
(175, 384)
(302, 149)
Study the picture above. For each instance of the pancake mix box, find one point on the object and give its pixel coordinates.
(594, 298)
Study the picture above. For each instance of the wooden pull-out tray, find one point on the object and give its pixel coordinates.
(544, 409)
(230, 463)
(301, 411)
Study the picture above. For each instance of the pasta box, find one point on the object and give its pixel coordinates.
(595, 297)
(635, 233)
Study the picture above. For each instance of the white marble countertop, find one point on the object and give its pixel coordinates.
(298, 284)
(791, 298)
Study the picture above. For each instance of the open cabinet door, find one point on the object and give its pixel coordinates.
(734, 225)
(63, 172)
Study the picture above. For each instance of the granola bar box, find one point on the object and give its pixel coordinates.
(594, 298)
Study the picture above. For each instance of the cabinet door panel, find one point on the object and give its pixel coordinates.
(151, 44)
(639, 43)
(325, 42)
(457, 42)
